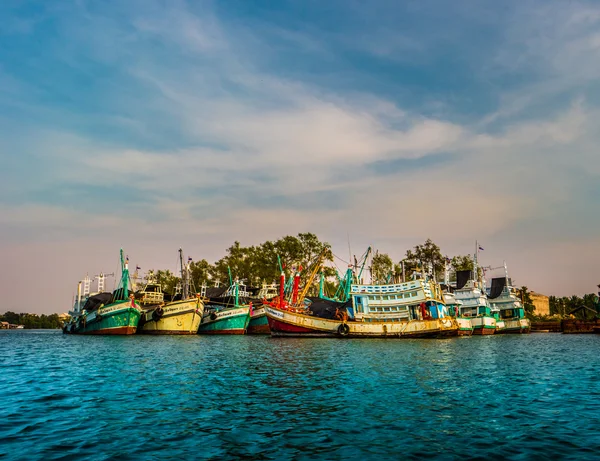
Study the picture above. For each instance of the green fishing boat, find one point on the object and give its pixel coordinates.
(105, 313)
(259, 325)
(226, 315)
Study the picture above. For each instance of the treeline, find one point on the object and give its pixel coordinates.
(253, 265)
(563, 306)
(32, 321)
(257, 264)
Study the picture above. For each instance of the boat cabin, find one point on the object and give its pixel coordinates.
(401, 302)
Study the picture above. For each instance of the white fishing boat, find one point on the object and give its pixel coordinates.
(505, 300)
(470, 291)
(453, 305)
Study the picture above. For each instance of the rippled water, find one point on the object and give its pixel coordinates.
(143, 397)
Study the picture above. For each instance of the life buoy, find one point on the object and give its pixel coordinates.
(213, 316)
(157, 314)
(343, 329)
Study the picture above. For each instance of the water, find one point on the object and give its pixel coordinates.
(144, 397)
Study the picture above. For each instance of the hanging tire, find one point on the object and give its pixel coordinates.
(343, 329)
(157, 314)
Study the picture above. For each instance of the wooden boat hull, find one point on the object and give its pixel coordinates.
(226, 322)
(120, 318)
(178, 318)
(287, 323)
(259, 325)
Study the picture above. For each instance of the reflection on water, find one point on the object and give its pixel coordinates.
(258, 397)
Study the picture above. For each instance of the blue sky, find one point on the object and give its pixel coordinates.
(153, 125)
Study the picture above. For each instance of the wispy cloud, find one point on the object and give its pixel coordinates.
(181, 123)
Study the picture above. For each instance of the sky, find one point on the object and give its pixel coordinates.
(154, 125)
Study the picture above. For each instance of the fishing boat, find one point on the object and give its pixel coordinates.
(259, 324)
(411, 309)
(105, 313)
(453, 305)
(227, 314)
(470, 291)
(503, 298)
(179, 316)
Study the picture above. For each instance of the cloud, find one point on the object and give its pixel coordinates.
(176, 124)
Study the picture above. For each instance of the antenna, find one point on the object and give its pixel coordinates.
(349, 250)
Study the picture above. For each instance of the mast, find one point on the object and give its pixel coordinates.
(475, 264)
(295, 287)
(237, 293)
(184, 277)
(281, 288)
(78, 310)
(506, 287)
(446, 273)
(125, 275)
(363, 265)
(321, 283)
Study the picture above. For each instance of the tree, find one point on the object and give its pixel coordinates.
(199, 274)
(167, 280)
(419, 259)
(256, 264)
(462, 263)
(526, 300)
(382, 268)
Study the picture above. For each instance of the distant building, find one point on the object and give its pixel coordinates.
(541, 303)
(4, 325)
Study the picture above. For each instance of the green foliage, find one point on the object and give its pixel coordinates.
(199, 274)
(256, 264)
(382, 268)
(32, 321)
(526, 300)
(418, 259)
(462, 263)
(167, 280)
(563, 306)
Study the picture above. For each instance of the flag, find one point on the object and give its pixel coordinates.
(189, 258)
(480, 247)
(137, 268)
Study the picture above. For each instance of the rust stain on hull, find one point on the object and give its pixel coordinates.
(259, 330)
(113, 331)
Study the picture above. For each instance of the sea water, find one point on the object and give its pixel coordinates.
(232, 397)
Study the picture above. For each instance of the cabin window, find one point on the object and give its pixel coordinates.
(387, 309)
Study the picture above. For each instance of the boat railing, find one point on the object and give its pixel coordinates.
(153, 297)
